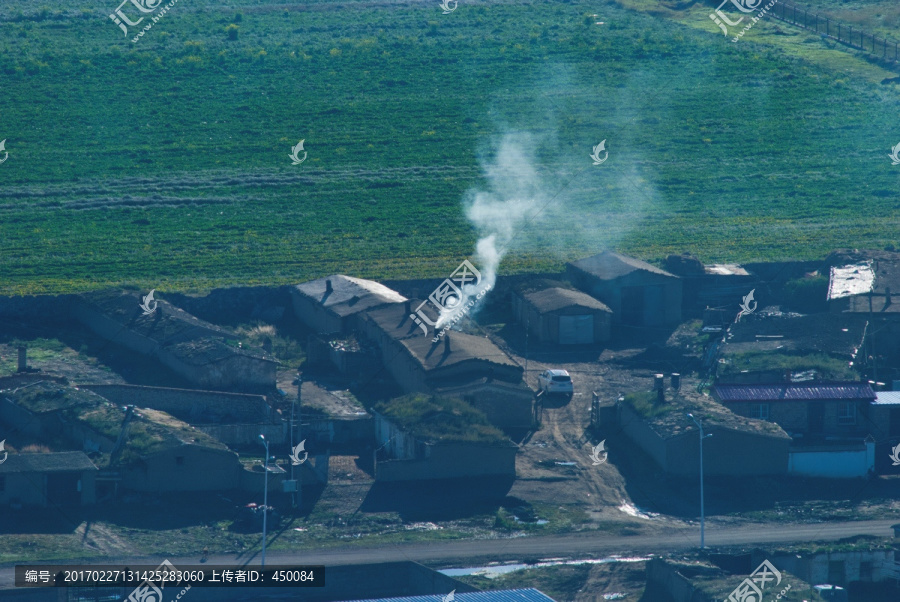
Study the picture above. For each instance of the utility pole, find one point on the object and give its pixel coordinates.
(299, 494)
(702, 509)
(265, 500)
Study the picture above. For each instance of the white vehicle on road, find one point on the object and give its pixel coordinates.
(555, 381)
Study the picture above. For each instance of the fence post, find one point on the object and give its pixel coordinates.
(827, 27)
(851, 35)
(839, 32)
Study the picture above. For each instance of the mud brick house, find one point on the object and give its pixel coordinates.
(143, 450)
(420, 436)
(638, 293)
(561, 315)
(460, 365)
(215, 364)
(42, 479)
(197, 350)
(718, 285)
(189, 404)
(334, 304)
(739, 446)
(767, 347)
(864, 283)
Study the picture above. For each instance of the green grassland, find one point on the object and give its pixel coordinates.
(164, 162)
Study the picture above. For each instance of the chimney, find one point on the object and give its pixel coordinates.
(23, 358)
(659, 381)
(328, 288)
(787, 375)
(407, 307)
(659, 384)
(446, 343)
(676, 381)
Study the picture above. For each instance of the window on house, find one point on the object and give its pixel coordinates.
(836, 572)
(846, 413)
(865, 571)
(759, 410)
(179, 460)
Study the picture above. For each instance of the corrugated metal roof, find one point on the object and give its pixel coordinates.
(814, 391)
(502, 595)
(887, 398)
(849, 280)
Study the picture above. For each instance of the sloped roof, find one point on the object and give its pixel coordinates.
(70, 461)
(348, 295)
(152, 430)
(395, 322)
(609, 266)
(884, 264)
(849, 280)
(552, 299)
(167, 324)
(808, 391)
(201, 352)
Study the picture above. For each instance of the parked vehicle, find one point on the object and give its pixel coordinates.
(556, 382)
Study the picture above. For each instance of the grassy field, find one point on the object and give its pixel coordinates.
(164, 162)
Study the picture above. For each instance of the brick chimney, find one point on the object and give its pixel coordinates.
(447, 343)
(328, 288)
(407, 307)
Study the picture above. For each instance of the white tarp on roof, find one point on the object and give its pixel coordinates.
(850, 280)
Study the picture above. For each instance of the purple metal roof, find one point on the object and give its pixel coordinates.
(813, 391)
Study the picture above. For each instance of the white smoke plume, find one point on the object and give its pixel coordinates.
(514, 197)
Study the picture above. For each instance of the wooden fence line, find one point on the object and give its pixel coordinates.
(843, 33)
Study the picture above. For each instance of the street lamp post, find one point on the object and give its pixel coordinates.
(265, 500)
(702, 508)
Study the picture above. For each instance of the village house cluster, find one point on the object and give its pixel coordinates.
(803, 385)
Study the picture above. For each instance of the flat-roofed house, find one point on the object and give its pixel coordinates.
(333, 304)
(638, 293)
(562, 316)
(421, 436)
(461, 365)
(149, 450)
(42, 479)
(197, 350)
